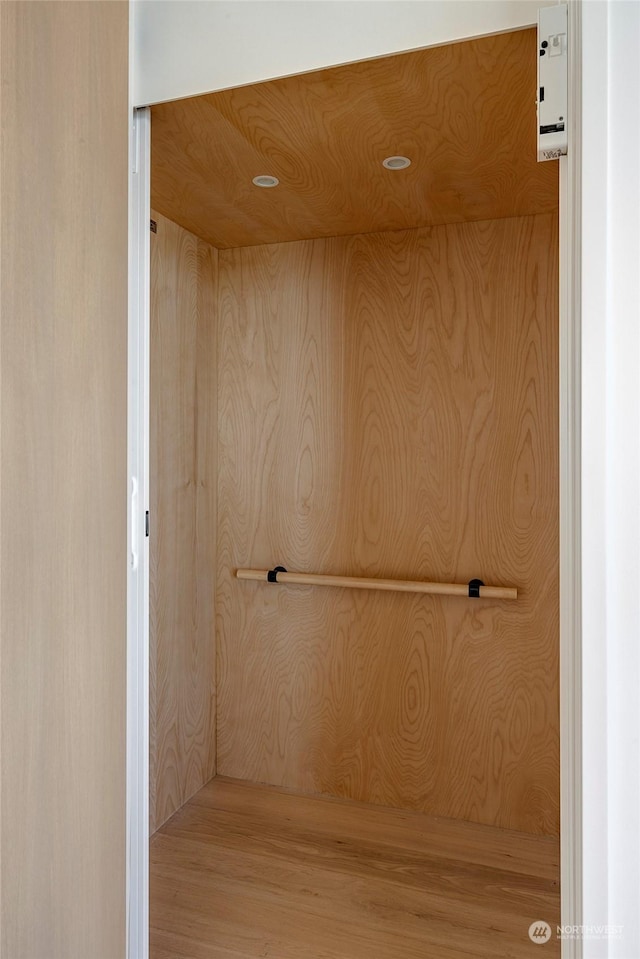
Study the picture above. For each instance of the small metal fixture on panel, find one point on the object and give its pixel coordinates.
(396, 163)
(552, 82)
(266, 181)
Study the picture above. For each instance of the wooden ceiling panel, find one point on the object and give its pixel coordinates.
(464, 114)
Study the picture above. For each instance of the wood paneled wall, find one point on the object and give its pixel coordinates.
(63, 479)
(183, 534)
(388, 406)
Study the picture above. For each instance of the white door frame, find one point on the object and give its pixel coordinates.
(570, 504)
(137, 881)
(570, 529)
(610, 449)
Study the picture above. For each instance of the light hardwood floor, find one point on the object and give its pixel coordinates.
(249, 871)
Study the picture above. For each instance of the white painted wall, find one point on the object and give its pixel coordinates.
(611, 474)
(188, 47)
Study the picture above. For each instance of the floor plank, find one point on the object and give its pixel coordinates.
(251, 872)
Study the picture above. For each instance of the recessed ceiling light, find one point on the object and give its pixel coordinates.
(396, 163)
(266, 181)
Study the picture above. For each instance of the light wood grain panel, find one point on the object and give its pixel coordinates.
(248, 871)
(388, 408)
(63, 478)
(464, 113)
(182, 545)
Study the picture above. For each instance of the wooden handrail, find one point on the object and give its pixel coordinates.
(475, 589)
